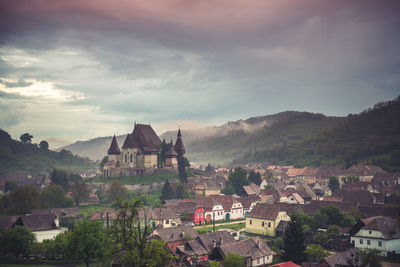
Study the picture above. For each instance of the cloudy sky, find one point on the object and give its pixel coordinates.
(74, 70)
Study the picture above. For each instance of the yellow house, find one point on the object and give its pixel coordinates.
(264, 218)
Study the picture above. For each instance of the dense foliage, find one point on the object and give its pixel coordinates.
(371, 137)
(294, 241)
(237, 180)
(25, 157)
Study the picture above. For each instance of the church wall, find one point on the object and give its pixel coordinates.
(171, 162)
(150, 161)
(131, 158)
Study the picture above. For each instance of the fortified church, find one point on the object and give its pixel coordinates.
(139, 154)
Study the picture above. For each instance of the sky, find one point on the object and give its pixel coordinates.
(75, 70)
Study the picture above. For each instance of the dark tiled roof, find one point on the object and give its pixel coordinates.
(143, 137)
(220, 238)
(345, 258)
(253, 248)
(386, 225)
(225, 201)
(164, 213)
(363, 197)
(171, 151)
(265, 211)
(179, 147)
(114, 148)
(185, 207)
(247, 201)
(7, 222)
(175, 233)
(40, 222)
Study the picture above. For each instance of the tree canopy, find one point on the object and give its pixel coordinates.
(238, 179)
(294, 242)
(44, 145)
(80, 192)
(17, 240)
(333, 183)
(117, 190)
(234, 260)
(60, 177)
(255, 177)
(26, 138)
(54, 196)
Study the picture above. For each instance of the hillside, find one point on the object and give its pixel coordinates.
(371, 137)
(240, 146)
(18, 157)
(97, 148)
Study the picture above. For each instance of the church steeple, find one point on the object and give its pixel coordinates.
(179, 147)
(114, 148)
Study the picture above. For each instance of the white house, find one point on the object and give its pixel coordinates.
(381, 233)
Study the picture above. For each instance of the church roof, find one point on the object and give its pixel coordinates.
(171, 151)
(114, 148)
(179, 147)
(143, 137)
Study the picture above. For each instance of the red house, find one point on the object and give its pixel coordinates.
(191, 208)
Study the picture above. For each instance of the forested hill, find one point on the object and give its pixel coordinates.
(18, 157)
(242, 146)
(371, 137)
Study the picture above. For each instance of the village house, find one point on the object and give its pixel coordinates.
(251, 189)
(233, 209)
(200, 248)
(381, 233)
(277, 194)
(386, 182)
(350, 257)
(213, 210)
(264, 218)
(175, 236)
(43, 226)
(294, 198)
(249, 203)
(255, 251)
(189, 208)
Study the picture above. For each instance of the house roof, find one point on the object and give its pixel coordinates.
(247, 201)
(386, 225)
(185, 207)
(114, 148)
(345, 258)
(251, 189)
(7, 222)
(164, 213)
(286, 264)
(225, 201)
(219, 238)
(40, 222)
(253, 248)
(175, 233)
(363, 197)
(264, 211)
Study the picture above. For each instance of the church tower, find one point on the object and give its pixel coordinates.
(114, 152)
(179, 147)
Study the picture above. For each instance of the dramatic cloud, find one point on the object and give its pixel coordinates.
(81, 69)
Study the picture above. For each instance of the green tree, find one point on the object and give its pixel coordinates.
(86, 242)
(333, 183)
(54, 196)
(44, 145)
(320, 238)
(167, 191)
(294, 242)
(26, 138)
(17, 240)
(60, 177)
(117, 190)
(334, 216)
(279, 243)
(255, 177)
(74, 177)
(214, 263)
(268, 186)
(130, 232)
(9, 186)
(182, 169)
(234, 260)
(228, 190)
(319, 220)
(315, 253)
(333, 232)
(23, 200)
(80, 192)
(238, 179)
(102, 196)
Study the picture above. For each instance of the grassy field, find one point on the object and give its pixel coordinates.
(235, 226)
(138, 179)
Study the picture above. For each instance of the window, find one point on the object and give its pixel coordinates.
(251, 222)
(198, 216)
(361, 241)
(368, 242)
(370, 232)
(269, 224)
(380, 243)
(166, 221)
(131, 157)
(262, 224)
